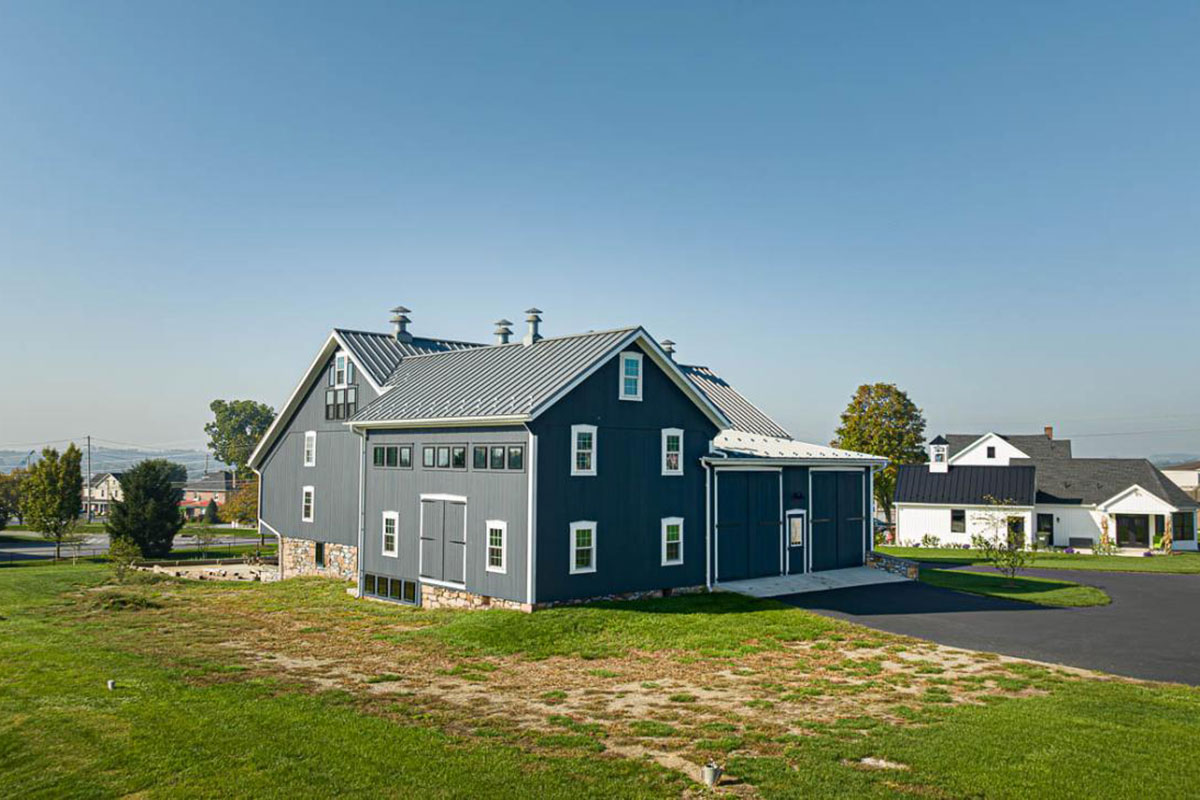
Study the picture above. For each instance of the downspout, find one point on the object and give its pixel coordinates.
(261, 523)
(362, 501)
(707, 525)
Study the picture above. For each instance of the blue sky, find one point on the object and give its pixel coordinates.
(995, 206)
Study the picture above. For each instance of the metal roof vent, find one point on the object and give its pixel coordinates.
(534, 318)
(503, 332)
(669, 348)
(400, 322)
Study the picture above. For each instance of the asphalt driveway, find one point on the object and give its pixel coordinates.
(1149, 631)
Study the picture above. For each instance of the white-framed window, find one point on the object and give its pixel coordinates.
(583, 449)
(672, 451)
(341, 370)
(672, 541)
(630, 376)
(306, 504)
(583, 547)
(391, 533)
(497, 545)
(310, 448)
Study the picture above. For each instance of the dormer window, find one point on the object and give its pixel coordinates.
(631, 376)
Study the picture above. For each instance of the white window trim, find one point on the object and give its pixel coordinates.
(672, 521)
(582, 525)
(342, 357)
(621, 377)
(575, 431)
(310, 448)
(395, 517)
(502, 526)
(672, 432)
(310, 494)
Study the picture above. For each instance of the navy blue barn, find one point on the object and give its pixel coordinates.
(544, 471)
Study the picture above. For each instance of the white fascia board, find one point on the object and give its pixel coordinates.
(289, 408)
(1119, 496)
(973, 445)
(649, 346)
(436, 422)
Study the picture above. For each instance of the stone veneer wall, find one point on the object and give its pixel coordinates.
(441, 597)
(896, 566)
(298, 557)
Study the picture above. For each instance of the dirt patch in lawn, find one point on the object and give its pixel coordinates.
(677, 707)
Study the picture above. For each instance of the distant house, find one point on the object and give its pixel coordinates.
(1186, 476)
(1070, 501)
(104, 488)
(210, 486)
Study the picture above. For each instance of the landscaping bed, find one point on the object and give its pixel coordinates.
(294, 687)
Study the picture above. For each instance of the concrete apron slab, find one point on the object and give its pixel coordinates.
(779, 585)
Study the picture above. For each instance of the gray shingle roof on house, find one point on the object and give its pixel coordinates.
(744, 415)
(1089, 481)
(219, 481)
(100, 477)
(1036, 445)
(495, 381)
(381, 353)
(968, 485)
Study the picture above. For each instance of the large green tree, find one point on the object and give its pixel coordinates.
(10, 496)
(883, 421)
(235, 430)
(149, 514)
(52, 494)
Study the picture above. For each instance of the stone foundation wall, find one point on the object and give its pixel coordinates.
(299, 557)
(441, 597)
(896, 566)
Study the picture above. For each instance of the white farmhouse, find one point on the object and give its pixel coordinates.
(1031, 483)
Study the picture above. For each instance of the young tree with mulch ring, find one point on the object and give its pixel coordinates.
(149, 514)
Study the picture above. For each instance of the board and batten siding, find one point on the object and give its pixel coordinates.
(491, 495)
(629, 496)
(914, 522)
(334, 478)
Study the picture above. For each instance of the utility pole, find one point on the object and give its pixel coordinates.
(88, 486)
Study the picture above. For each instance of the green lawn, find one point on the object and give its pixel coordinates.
(192, 717)
(1187, 563)
(1043, 591)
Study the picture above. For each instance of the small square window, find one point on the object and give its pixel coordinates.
(991, 451)
(378, 456)
(479, 457)
(406, 456)
(393, 456)
(368, 584)
(958, 520)
(516, 457)
(458, 457)
(497, 458)
(427, 458)
(443, 457)
(410, 592)
(396, 589)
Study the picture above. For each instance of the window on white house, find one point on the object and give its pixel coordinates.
(583, 449)
(672, 451)
(497, 537)
(631, 376)
(391, 532)
(306, 504)
(672, 541)
(310, 448)
(958, 520)
(991, 452)
(583, 547)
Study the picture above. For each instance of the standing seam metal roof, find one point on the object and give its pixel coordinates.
(968, 485)
(744, 415)
(380, 353)
(496, 380)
